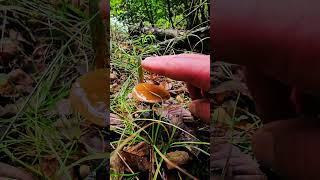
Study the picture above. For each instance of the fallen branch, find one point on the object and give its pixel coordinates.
(184, 35)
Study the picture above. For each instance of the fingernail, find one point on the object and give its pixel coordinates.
(146, 62)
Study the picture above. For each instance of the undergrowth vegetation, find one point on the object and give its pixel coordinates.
(49, 44)
(143, 135)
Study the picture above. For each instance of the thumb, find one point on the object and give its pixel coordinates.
(290, 147)
(201, 109)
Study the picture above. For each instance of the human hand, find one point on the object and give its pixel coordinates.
(194, 69)
(280, 50)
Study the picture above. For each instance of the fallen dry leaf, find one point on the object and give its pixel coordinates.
(166, 85)
(94, 142)
(63, 107)
(9, 109)
(180, 90)
(116, 164)
(84, 171)
(239, 164)
(171, 111)
(178, 158)
(231, 85)
(221, 116)
(177, 115)
(180, 98)
(50, 168)
(220, 97)
(140, 149)
(115, 121)
(7, 171)
(113, 75)
(69, 128)
(135, 162)
(9, 45)
(136, 157)
(17, 82)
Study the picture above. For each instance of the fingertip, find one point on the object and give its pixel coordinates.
(192, 68)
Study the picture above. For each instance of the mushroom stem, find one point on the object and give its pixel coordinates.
(98, 33)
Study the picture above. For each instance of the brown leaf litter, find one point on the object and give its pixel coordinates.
(10, 172)
(178, 158)
(17, 83)
(177, 115)
(132, 158)
(237, 164)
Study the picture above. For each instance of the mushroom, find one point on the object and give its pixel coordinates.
(150, 93)
(89, 96)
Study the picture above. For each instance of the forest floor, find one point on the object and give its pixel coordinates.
(45, 46)
(152, 135)
(234, 123)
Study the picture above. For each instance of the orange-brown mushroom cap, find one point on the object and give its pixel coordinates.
(89, 96)
(150, 93)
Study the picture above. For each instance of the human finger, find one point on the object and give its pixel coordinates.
(201, 109)
(191, 68)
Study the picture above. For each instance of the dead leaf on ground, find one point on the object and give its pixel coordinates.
(220, 97)
(178, 158)
(50, 167)
(116, 164)
(240, 164)
(136, 156)
(140, 149)
(135, 162)
(93, 141)
(7, 171)
(9, 109)
(63, 107)
(221, 116)
(113, 75)
(115, 87)
(177, 115)
(69, 128)
(9, 45)
(231, 85)
(84, 171)
(166, 85)
(17, 82)
(180, 90)
(115, 121)
(174, 110)
(180, 98)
